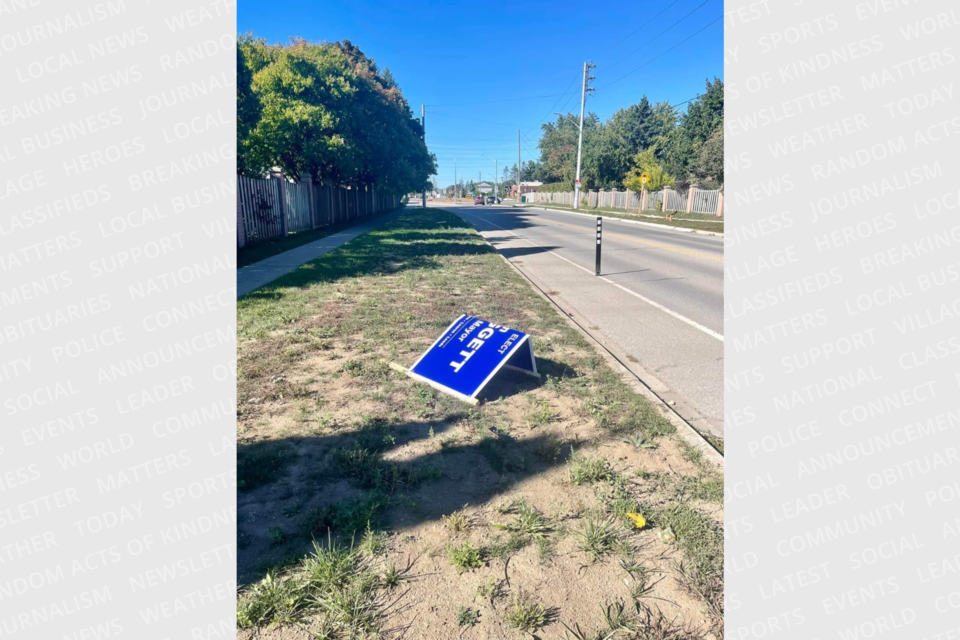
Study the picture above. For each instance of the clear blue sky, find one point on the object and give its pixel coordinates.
(445, 54)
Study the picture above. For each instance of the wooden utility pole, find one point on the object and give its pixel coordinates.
(583, 98)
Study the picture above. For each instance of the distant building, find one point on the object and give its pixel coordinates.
(484, 187)
(526, 187)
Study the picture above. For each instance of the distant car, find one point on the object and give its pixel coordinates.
(492, 200)
(478, 200)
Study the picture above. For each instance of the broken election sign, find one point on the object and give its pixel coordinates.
(469, 353)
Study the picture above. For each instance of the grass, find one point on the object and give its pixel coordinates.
(465, 557)
(529, 521)
(682, 220)
(334, 586)
(586, 470)
(458, 521)
(346, 517)
(525, 614)
(598, 537)
(268, 248)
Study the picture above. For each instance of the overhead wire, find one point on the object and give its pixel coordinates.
(557, 102)
(697, 8)
(695, 33)
(638, 28)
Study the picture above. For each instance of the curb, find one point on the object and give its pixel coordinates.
(637, 222)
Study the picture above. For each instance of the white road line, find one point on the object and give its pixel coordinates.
(696, 325)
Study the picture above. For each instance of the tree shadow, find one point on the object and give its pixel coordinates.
(394, 475)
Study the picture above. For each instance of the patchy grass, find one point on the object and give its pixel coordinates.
(334, 445)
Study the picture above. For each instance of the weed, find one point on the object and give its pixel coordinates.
(373, 472)
(690, 452)
(391, 576)
(525, 615)
(346, 517)
(656, 626)
(598, 537)
(490, 589)
(503, 549)
(373, 543)
(617, 617)
(529, 521)
(458, 521)
(545, 549)
(579, 634)
(541, 414)
(273, 600)
(262, 463)
(641, 441)
(465, 557)
(467, 617)
(278, 535)
(548, 448)
(585, 470)
(704, 486)
(329, 567)
(701, 541)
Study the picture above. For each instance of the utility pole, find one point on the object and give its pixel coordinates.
(456, 186)
(518, 166)
(496, 192)
(423, 125)
(583, 97)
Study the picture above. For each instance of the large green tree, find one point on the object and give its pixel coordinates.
(328, 111)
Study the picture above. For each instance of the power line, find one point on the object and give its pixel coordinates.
(629, 73)
(697, 8)
(640, 27)
(447, 115)
(575, 76)
(459, 104)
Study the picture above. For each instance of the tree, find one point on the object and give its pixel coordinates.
(709, 164)
(248, 107)
(328, 111)
(646, 162)
(705, 113)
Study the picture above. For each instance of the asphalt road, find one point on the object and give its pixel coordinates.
(658, 302)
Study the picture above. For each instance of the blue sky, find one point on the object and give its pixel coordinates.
(453, 55)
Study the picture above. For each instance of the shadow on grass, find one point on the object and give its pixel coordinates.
(341, 481)
(400, 245)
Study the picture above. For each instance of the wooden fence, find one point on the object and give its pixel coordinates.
(268, 209)
(690, 200)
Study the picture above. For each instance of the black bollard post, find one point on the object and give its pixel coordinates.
(599, 233)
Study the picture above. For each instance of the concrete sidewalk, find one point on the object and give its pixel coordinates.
(254, 276)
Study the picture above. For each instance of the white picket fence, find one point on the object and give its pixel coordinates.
(708, 202)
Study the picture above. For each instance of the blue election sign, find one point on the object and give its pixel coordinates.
(469, 353)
